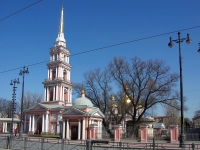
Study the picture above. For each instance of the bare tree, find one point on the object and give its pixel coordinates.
(98, 89)
(196, 113)
(172, 113)
(5, 107)
(29, 100)
(149, 83)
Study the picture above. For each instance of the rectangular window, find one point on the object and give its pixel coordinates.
(54, 116)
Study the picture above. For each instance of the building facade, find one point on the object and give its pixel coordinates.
(57, 114)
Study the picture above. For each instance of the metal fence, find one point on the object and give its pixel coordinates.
(192, 134)
(27, 143)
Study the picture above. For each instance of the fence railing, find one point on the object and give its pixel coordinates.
(27, 143)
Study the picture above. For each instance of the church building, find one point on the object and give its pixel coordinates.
(57, 114)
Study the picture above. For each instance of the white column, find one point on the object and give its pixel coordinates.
(63, 94)
(60, 92)
(100, 128)
(6, 127)
(54, 93)
(58, 128)
(79, 129)
(47, 122)
(62, 72)
(13, 127)
(83, 130)
(43, 123)
(69, 75)
(30, 123)
(70, 95)
(45, 93)
(48, 73)
(63, 129)
(33, 124)
(3, 127)
(67, 131)
(50, 76)
(90, 121)
(56, 72)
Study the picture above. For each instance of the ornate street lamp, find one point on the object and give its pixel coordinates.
(188, 41)
(199, 48)
(13, 83)
(22, 73)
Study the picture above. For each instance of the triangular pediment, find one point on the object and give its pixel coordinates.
(37, 107)
(73, 111)
(97, 113)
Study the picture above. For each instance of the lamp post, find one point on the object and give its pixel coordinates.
(22, 73)
(199, 48)
(13, 82)
(188, 41)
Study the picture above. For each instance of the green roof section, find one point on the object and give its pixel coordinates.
(83, 101)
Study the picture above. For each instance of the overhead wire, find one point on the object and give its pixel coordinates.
(20, 10)
(109, 46)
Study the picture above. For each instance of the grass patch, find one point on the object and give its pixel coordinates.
(50, 135)
(45, 135)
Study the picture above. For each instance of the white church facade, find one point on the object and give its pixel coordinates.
(57, 114)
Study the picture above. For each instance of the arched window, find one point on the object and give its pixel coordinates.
(53, 74)
(64, 58)
(64, 74)
(55, 56)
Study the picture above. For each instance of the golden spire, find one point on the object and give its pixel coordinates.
(112, 98)
(127, 88)
(61, 27)
(82, 92)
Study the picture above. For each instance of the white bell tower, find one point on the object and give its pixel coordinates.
(58, 87)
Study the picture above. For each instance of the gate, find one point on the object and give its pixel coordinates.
(192, 134)
(3, 142)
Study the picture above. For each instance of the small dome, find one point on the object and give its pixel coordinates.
(83, 101)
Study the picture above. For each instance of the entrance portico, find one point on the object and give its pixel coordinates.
(7, 124)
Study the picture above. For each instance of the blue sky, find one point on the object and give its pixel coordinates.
(25, 38)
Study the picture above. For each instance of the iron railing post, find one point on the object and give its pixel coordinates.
(8, 142)
(193, 146)
(153, 143)
(88, 145)
(42, 143)
(25, 142)
(62, 144)
(120, 145)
